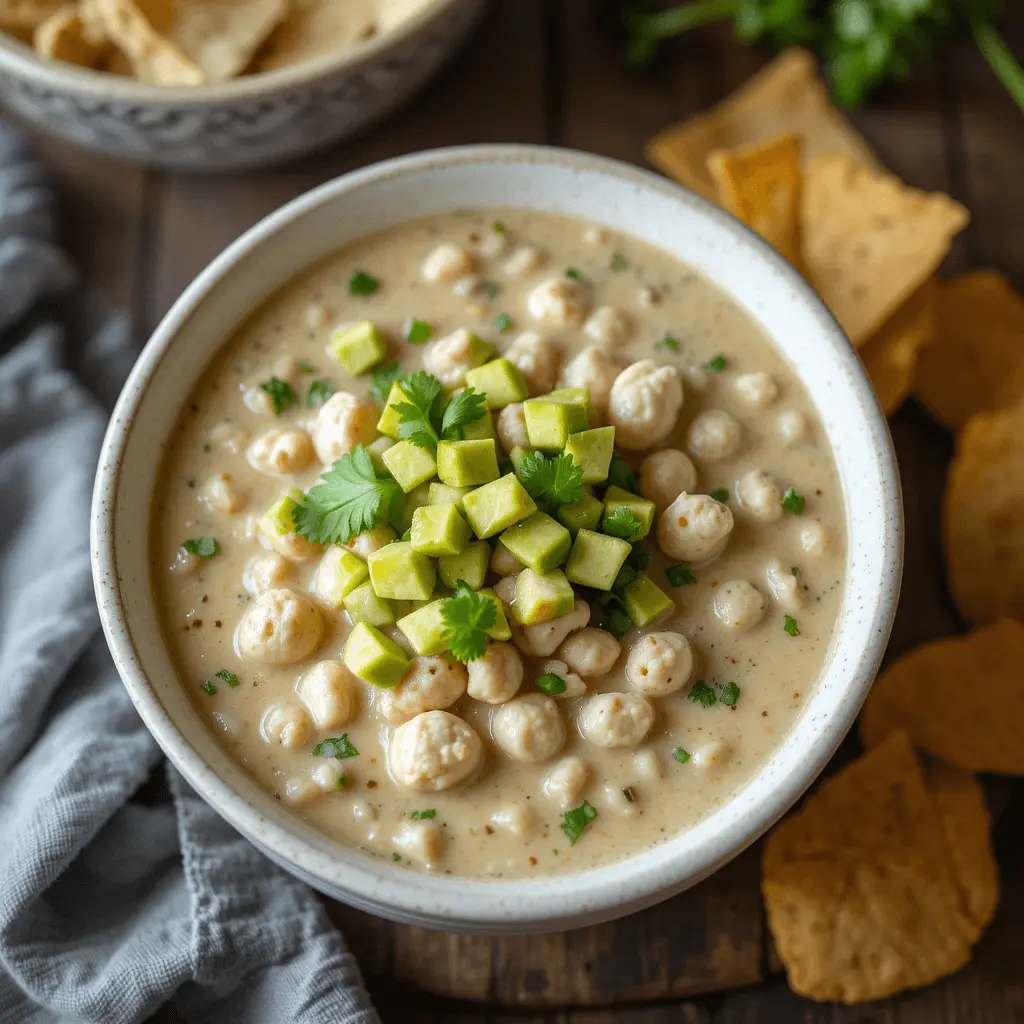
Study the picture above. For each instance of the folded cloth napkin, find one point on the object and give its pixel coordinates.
(109, 907)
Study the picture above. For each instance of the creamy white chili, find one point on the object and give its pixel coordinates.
(536, 609)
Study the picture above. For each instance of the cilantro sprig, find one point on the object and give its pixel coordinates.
(551, 480)
(465, 407)
(622, 523)
(350, 498)
(382, 378)
(340, 747)
(421, 420)
(204, 547)
(575, 821)
(282, 394)
(319, 392)
(467, 616)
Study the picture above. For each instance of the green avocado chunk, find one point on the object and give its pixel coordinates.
(339, 573)
(616, 497)
(584, 514)
(469, 565)
(443, 494)
(363, 605)
(357, 346)
(399, 573)
(646, 601)
(592, 451)
(497, 505)
(467, 463)
(424, 627)
(439, 530)
(278, 521)
(595, 559)
(501, 629)
(542, 597)
(390, 419)
(413, 500)
(501, 381)
(409, 464)
(373, 657)
(538, 541)
(549, 423)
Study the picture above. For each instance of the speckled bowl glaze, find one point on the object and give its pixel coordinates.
(251, 121)
(558, 181)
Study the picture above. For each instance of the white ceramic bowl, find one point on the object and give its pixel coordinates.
(625, 199)
(250, 121)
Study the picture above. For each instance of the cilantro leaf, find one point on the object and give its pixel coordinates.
(720, 495)
(382, 378)
(362, 283)
(417, 414)
(465, 407)
(717, 364)
(619, 262)
(228, 677)
(573, 274)
(339, 747)
(702, 694)
(729, 695)
(681, 755)
(498, 228)
(790, 626)
(793, 502)
(620, 475)
(350, 498)
(551, 481)
(467, 616)
(668, 342)
(319, 392)
(550, 684)
(423, 815)
(616, 621)
(679, 575)
(622, 523)
(306, 368)
(209, 688)
(639, 558)
(503, 323)
(576, 820)
(282, 394)
(417, 331)
(204, 547)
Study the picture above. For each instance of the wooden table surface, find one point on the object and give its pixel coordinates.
(549, 71)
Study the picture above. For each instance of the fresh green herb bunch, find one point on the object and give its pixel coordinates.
(863, 43)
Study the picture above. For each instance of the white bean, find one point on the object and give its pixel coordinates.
(738, 605)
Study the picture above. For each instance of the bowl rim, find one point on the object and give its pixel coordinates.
(463, 902)
(23, 60)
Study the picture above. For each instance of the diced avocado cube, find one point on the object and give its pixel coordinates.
(477, 350)
(517, 455)
(592, 450)
(439, 530)
(424, 627)
(501, 381)
(480, 430)
(616, 497)
(363, 605)
(501, 629)
(400, 573)
(571, 396)
(549, 423)
(467, 463)
(277, 520)
(469, 565)
(595, 559)
(646, 601)
(377, 450)
(389, 418)
(443, 494)
(339, 573)
(542, 597)
(584, 514)
(409, 464)
(538, 541)
(374, 657)
(357, 346)
(497, 505)
(413, 500)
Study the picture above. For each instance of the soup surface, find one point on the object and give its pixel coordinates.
(571, 744)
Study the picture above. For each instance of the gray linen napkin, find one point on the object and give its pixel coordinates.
(108, 907)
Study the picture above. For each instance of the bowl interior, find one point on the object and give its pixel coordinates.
(624, 199)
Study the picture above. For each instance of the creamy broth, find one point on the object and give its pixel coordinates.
(506, 820)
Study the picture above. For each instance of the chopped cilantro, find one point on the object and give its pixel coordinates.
(467, 616)
(350, 498)
(681, 755)
(490, 289)
(282, 394)
(204, 547)
(362, 283)
(420, 417)
(382, 378)
(617, 622)
(721, 494)
(417, 331)
(503, 323)
(793, 502)
(498, 228)
(573, 274)
(550, 684)
(717, 364)
(207, 448)
(228, 677)
(620, 475)
(467, 406)
(209, 688)
(306, 368)
(619, 262)
(639, 558)
(795, 570)
(576, 820)
(319, 392)
(729, 695)
(339, 747)
(701, 693)
(551, 480)
(668, 342)
(679, 575)
(423, 815)
(396, 857)
(622, 523)
(790, 626)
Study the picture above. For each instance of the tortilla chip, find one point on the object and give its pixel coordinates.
(859, 886)
(890, 355)
(869, 241)
(222, 38)
(977, 361)
(958, 698)
(21, 16)
(965, 818)
(760, 185)
(66, 36)
(983, 522)
(785, 97)
(317, 28)
(138, 28)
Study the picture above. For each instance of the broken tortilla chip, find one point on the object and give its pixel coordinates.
(785, 97)
(965, 818)
(66, 36)
(983, 517)
(869, 241)
(891, 354)
(317, 28)
(21, 16)
(977, 361)
(958, 698)
(138, 28)
(860, 888)
(761, 185)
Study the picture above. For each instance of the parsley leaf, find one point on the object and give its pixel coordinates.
(498, 228)
(679, 575)
(467, 616)
(423, 815)
(209, 688)
(793, 502)
(418, 331)
(416, 424)
(620, 475)
(204, 547)
(282, 394)
(622, 523)
(619, 262)
(228, 677)
(701, 693)
(465, 407)
(350, 498)
(576, 820)
(550, 684)
(681, 755)
(668, 342)
(721, 494)
(573, 274)
(717, 364)
(362, 283)
(503, 323)
(790, 626)
(319, 392)
(729, 695)
(339, 747)
(382, 378)
(551, 481)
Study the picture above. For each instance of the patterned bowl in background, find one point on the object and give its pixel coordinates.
(250, 121)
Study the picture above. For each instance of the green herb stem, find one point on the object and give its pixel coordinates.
(1002, 62)
(677, 20)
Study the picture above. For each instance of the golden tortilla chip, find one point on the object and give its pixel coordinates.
(21, 16)
(785, 97)
(965, 818)
(983, 516)
(977, 361)
(222, 38)
(859, 886)
(958, 698)
(65, 36)
(890, 355)
(138, 28)
(869, 241)
(760, 185)
(317, 28)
